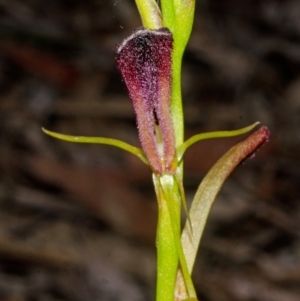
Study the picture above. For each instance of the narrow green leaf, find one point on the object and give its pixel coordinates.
(100, 140)
(206, 194)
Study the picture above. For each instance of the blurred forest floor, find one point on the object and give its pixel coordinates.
(77, 222)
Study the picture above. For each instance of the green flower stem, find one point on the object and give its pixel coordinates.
(178, 16)
(168, 238)
(176, 103)
(168, 13)
(167, 256)
(175, 197)
(185, 10)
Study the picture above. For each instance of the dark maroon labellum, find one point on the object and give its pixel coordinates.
(145, 61)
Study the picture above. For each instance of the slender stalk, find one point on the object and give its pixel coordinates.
(167, 256)
(176, 102)
(174, 197)
(169, 249)
(168, 13)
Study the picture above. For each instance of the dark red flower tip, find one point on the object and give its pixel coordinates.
(145, 61)
(255, 141)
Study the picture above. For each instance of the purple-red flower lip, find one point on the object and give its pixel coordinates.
(145, 61)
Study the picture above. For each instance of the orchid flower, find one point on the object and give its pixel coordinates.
(150, 63)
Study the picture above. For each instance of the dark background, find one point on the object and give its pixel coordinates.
(77, 222)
